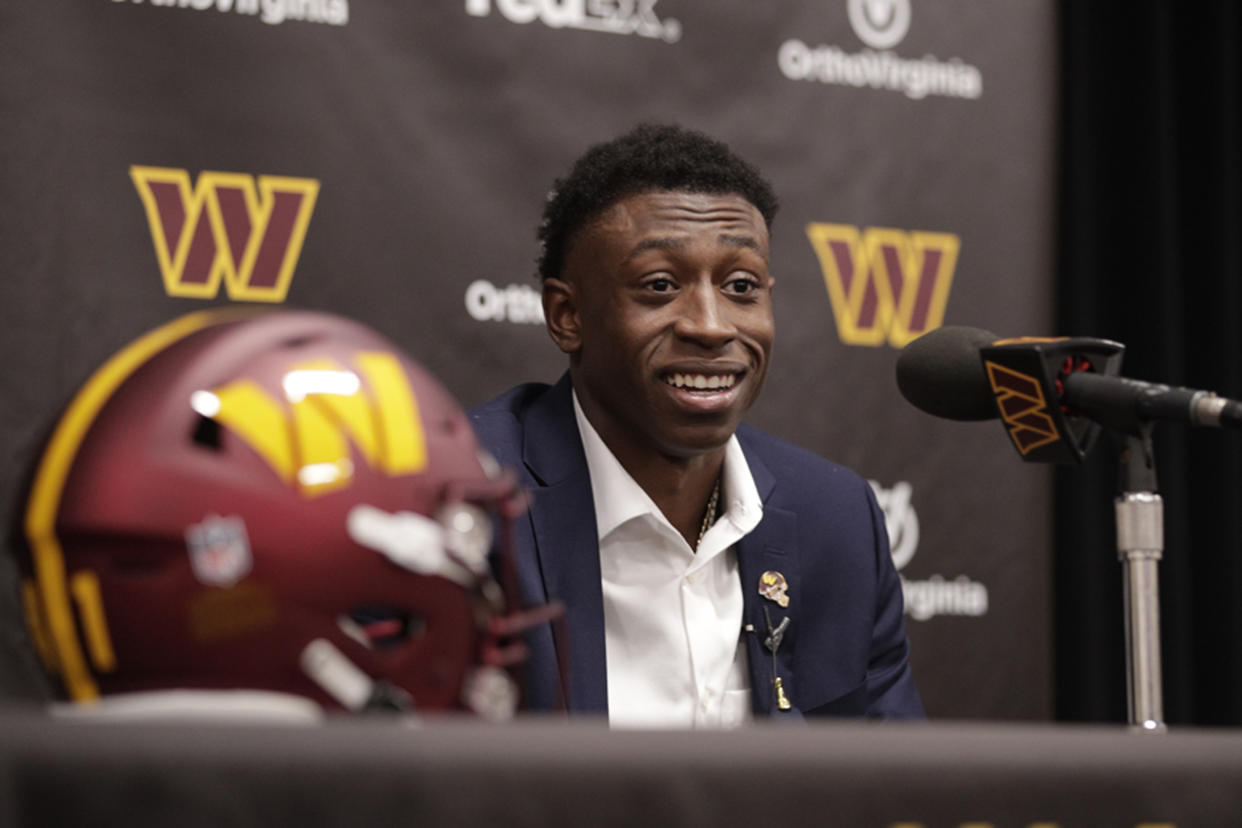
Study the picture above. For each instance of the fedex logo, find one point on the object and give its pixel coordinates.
(625, 17)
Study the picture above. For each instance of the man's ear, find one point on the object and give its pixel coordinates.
(560, 313)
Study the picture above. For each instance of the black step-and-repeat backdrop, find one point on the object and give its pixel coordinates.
(389, 161)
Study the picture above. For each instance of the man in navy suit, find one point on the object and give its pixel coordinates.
(711, 573)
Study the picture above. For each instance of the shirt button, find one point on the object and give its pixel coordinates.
(690, 579)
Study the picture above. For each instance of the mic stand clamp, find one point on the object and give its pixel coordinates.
(1140, 545)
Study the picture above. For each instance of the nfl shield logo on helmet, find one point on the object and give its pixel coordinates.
(219, 550)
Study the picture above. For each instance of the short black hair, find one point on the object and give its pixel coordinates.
(648, 158)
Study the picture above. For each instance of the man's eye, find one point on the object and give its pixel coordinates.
(741, 285)
(660, 285)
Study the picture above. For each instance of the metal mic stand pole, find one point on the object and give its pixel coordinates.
(1140, 543)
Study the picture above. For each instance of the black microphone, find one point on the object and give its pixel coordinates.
(944, 373)
(941, 373)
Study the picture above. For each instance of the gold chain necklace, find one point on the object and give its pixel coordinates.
(709, 517)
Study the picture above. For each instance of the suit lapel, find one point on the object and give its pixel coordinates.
(566, 541)
(771, 547)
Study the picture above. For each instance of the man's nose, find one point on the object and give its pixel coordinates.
(704, 318)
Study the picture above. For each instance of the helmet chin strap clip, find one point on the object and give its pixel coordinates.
(387, 697)
(341, 679)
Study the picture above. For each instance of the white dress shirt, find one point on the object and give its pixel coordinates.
(672, 616)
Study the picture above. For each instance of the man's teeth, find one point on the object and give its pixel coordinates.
(701, 381)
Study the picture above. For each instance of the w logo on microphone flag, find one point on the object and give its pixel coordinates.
(226, 228)
(1022, 407)
(885, 285)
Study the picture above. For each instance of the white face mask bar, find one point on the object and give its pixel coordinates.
(341, 679)
(417, 543)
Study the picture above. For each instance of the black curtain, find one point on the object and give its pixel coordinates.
(1150, 254)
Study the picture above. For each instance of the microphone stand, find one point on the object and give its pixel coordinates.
(1140, 544)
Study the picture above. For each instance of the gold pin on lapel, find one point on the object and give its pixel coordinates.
(782, 701)
(772, 585)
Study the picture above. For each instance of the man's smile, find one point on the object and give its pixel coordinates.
(704, 391)
(701, 382)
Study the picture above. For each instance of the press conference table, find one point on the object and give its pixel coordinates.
(551, 772)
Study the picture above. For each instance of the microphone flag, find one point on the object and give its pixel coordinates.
(1026, 377)
(965, 373)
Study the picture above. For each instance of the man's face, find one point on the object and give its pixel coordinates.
(669, 305)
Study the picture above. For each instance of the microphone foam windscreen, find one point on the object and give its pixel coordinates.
(942, 373)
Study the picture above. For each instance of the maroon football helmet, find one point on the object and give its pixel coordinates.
(276, 501)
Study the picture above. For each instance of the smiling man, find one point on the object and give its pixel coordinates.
(711, 573)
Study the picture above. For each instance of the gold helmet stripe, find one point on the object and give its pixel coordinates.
(53, 471)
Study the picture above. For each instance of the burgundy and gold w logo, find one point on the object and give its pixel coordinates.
(884, 284)
(226, 228)
(1023, 408)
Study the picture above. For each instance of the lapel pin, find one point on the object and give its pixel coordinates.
(772, 585)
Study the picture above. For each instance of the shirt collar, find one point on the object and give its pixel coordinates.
(618, 498)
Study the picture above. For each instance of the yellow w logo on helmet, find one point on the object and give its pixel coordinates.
(305, 437)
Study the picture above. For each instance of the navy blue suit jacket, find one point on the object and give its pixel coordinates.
(844, 652)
